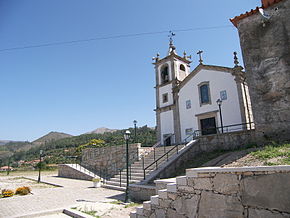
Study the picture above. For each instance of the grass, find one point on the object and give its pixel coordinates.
(132, 204)
(281, 154)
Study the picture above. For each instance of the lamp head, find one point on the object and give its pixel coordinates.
(127, 135)
(219, 102)
(135, 122)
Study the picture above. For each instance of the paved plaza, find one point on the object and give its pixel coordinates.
(49, 201)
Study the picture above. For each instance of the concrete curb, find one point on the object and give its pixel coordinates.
(42, 213)
(76, 213)
(48, 183)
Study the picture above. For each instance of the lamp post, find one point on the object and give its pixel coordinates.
(39, 166)
(219, 103)
(127, 136)
(135, 130)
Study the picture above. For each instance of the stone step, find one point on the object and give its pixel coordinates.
(154, 200)
(162, 194)
(133, 177)
(139, 210)
(113, 187)
(124, 180)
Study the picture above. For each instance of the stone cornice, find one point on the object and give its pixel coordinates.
(166, 108)
(172, 56)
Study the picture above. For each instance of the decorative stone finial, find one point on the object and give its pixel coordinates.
(200, 56)
(236, 60)
(185, 56)
(156, 58)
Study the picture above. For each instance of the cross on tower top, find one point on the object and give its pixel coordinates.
(200, 57)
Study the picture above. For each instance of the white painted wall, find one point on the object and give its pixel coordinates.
(166, 121)
(163, 90)
(218, 81)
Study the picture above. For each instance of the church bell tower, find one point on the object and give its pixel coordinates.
(169, 72)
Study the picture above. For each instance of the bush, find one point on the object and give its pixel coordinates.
(7, 193)
(23, 190)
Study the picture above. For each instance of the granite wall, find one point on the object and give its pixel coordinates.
(109, 160)
(265, 46)
(249, 192)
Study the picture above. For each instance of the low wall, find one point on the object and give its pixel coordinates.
(226, 141)
(109, 159)
(252, 192)
(69, 172)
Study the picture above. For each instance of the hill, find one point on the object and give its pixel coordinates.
(4, 142)
(101, 130)
(52, 136)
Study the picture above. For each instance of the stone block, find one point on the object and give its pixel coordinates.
(181, 180)
(146, 213)
(202, 183)
(186, 189)
(267, 191)
(171, 188)
(160, 213)
(162, 194)
(155, 200)
(164, 203)
(147, 205)
(226, 183)
(217, 205)
(139, 210)
(133, 215)
(172, 195)
(186, 206)
(261, 213)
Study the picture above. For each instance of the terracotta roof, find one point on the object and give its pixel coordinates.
(265, 4)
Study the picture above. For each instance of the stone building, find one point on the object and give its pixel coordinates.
(186, 101)
(265, 41)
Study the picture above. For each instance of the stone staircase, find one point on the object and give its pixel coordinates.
(222, 192)
(136, 172)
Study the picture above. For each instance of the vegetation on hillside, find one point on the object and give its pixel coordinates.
(64, 150)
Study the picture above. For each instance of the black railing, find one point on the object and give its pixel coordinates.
(195, 135)
(158, 159)
(120, 174)
(219, 130)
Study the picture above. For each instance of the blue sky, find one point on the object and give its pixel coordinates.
(75, 88)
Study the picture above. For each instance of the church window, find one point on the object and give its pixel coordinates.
(165, 98)
(164, 74)
(182, 67)
(188, 104)
(204, 93)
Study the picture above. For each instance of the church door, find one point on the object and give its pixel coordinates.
(208, 126)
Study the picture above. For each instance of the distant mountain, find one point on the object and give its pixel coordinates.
(52, 136)
(101, 130)
(4, 142)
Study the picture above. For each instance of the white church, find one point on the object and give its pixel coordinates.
(208, 100)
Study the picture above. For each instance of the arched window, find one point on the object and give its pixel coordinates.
(164, 74)
(182, 67)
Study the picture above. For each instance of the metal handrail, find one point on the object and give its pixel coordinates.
(156, 161)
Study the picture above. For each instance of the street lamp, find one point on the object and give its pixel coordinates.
(39, 166)
(126, 137)
(219, 103)
(135, 132)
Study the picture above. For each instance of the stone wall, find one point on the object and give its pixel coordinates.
(109, 160)
(248, 192)
(265, 44)
(64, 170)
(226, 141)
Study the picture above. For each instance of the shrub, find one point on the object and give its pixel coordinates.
(7, 193)
(96, 179)
(23, 190)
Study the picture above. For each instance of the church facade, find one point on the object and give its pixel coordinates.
(198, 102)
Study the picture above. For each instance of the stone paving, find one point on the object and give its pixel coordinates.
(45, 201)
